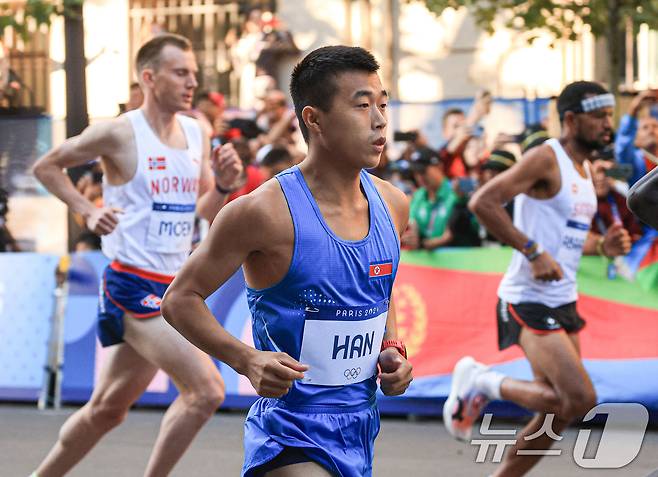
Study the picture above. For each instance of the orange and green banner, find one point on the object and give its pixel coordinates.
(446, 309)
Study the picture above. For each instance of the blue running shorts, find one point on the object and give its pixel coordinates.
(341, 439)
(126, 289)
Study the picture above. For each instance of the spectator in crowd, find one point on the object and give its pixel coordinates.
(637, 138)
(533, 136)
(498, 161)
(212, 106)
(465, 229)
(244, 51)
(463, 225)
(7, 241)
(278, 120)
(135, 98)
(458, 130)
(432, 204)
(279, 48)
(276, 160)
(611, 210)
(251, 177)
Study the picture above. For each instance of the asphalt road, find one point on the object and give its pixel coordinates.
(405, 447)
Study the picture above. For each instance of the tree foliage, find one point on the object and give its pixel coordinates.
(18, 14)
(561, 18)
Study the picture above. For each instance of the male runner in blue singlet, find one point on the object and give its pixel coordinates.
(320, 248)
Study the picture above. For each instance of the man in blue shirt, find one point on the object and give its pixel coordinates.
(637, 139)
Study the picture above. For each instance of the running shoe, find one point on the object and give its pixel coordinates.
(464, 404)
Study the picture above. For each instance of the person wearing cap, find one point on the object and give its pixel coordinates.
(498, 161)
(555, 202)
(534, 135)
(637, 138)
(432, 204)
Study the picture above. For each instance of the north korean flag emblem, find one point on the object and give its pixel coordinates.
(380, 269)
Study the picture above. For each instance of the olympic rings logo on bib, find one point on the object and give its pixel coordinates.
(352, 373)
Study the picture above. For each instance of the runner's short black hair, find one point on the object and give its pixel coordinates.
(313, 81)
(571, 96)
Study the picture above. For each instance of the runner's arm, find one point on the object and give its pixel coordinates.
(396, 371)
(230, 241)
(215, 260)
(98, 140)
(488, 202)
(220, 166)
(398, 206)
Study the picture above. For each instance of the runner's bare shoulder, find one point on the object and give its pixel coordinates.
(263, 216)
(540, 165)
(396, 201)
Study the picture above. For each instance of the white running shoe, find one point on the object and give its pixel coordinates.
(464, 404)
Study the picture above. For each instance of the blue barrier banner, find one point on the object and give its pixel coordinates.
(618, 345)
(27, 283)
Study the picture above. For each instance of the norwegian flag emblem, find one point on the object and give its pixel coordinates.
(151, 301)
(157, 163)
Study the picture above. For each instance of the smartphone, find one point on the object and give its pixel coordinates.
(405, 136)
(620, 171)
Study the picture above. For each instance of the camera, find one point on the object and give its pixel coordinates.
(620, 171)
(405, 136)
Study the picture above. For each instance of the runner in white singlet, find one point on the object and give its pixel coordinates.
(158, 172)
(554, 204)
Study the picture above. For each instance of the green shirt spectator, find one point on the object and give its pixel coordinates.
(432, 204)
(431, 214)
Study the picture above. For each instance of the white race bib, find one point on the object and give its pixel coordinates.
(341, 344)
(571, 247)
(170, 228)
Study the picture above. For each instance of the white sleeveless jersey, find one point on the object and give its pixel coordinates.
(155, 228)
(560, 225)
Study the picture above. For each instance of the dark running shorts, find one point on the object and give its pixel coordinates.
(288, 456)
(538, 318)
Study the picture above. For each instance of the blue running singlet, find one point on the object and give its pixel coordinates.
(329, 312)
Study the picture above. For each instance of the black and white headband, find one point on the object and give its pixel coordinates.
(592, 103)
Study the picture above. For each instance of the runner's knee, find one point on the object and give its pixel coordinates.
(577, 403)
(107, 415)
(552, 401)
(207, 396)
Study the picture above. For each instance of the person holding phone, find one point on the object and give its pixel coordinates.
(636, 142)
(612, 214)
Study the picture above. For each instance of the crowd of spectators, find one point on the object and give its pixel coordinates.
(440, 181)
(265, 132)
